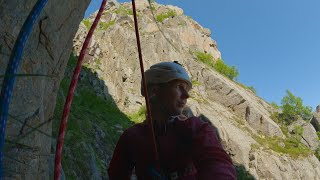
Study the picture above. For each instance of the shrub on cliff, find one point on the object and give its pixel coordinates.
(229, 71)
(292, 108)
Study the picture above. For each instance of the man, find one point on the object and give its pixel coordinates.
(188, 148)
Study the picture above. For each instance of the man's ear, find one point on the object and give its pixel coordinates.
(154, 91)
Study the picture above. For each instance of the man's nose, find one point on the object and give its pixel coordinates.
(185, 94)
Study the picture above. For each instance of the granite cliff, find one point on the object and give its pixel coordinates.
(108, 99)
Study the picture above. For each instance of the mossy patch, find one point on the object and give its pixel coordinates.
(161, 17)
(139, 116)
(195, 83)
(105, 25)
(122, 10)
(205, 58)
(290, 146)
(87, 23)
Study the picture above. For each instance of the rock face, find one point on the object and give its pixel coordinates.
(46, 52)
(315, 121)
(176, 38)
(239, 115)
(271, 166)
(309, 135)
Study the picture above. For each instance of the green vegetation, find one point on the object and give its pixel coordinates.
(105, 25)
(318, 134)
(206, 58)
(152, 8)
(317, 153)
(298, 130)
(229, 72)
(182, 24)
(251, 88)
(275, 105)
(290, 146)
(91, 130)
(152, 5)
(195, 83)
(219, 65)
(96, 65)
(139, 116)
(98, 61)
(243, 174)
(87, 23)
(123, 11)
(197, 96)
(292, 108)
(93, 66)
(161, 17)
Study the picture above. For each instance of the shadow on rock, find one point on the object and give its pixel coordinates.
(242, 173)
(94, 126)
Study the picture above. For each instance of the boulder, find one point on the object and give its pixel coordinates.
(309, 136)
(315, 121)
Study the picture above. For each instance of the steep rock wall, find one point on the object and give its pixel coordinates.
(46, 52)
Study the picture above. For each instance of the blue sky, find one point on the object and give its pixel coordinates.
(274, 44)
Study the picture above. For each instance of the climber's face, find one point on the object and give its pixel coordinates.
(172, 97)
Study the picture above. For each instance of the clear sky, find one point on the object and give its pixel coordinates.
(274, 44)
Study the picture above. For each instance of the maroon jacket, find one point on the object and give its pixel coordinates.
(189, 148)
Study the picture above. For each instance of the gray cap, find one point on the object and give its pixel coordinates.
(164, 72)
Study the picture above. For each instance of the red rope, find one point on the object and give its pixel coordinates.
(73, 84)
(156, 155)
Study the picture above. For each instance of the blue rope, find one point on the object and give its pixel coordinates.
(8, 82)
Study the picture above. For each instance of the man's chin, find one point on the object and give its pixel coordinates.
(177, 112)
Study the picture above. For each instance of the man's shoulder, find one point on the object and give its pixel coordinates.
(136, 129)
(196, 121)
(189, 126)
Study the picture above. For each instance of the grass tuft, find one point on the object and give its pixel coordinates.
(161, 17)
(87, 23)
(123, 11)
(291, 146)
(139, 116)
(105, 25)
